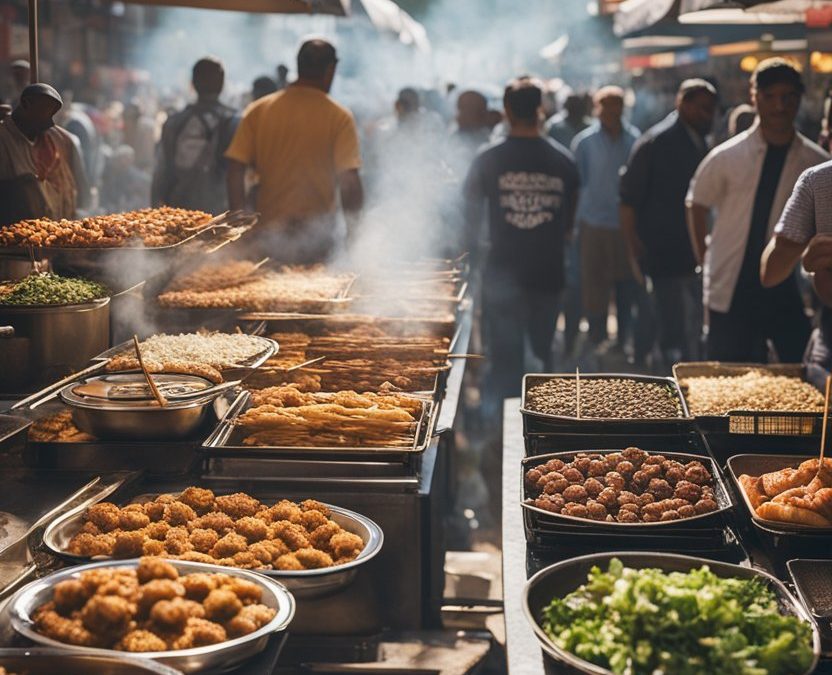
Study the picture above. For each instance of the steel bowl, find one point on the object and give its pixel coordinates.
(207, 660)
(39, 661)
(562, 578)
(137, 420)
(302, 583)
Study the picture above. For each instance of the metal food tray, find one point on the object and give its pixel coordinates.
(226, 441)
(13, 431)
(751, 422)
(42, 661)
(813, 582)
(211, 659)
(538, 521)
(565, 577)
(312, 583)
(538, 422)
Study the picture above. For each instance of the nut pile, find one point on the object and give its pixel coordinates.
(616, 398)
(755, 390)
(151, 609)
(625, 487)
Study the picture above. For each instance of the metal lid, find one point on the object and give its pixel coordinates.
(129, 391)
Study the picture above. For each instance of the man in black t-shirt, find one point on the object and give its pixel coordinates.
(529, 184)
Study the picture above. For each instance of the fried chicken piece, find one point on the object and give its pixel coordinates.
(177, 541)
(128, 545)
(203, 540)
(247, 591)
(200, 633)
(152, 547)
(229, 545)
(238, 505)
(313, 519)
(220, 522)
(90, 545)
(313, 559)
(104, 515)
(159, 589)
(178, 513)
(314, 505)
(171, 615)
(253, 529)
(69, 596)
(262, 552)
(56, 627)
(286, 510)
(198, 585)
(154, 568)
(196, 556)
(246, 560)
(346, 545)
(92, 579)
(274, 546)
(157, 530)
(132, 520)
(322, 535)
(221, 605)
(89, 528)
(107, 615)
(288, 562)
(123, 585)
(249, 619)
(200, 500)
(141, 641)
(155, 510)
(292, 534)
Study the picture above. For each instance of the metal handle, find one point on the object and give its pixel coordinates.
(45, 394)
(6, 331)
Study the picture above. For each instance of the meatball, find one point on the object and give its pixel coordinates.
(625, 516)
(141, 641)
(608, 497)
(203, 540)
(686, 511)
(595, 510)
(157, 530)
(575, 493)
(655, 459)
(669, 464)
(641, 479)
(105, 516)
(576, 510)
(221, 605)
(650, 518)
(627, 498)
(229, 545)
(573, 475)
(159, 589)
(653, 510)
(593, 487)
(660, 488)
(581, 464)
(695, 472)
(238, 505)
(634, 455)
(253, 529)
(688, 491)
(132, 520)
(178, 513)
(220, 522)
(555, 485)
(154, 568)
(674, 474)
(635, 508)
(670, 515)
(597, 467)
(197, 586)
(652, 470)
(107, 614)
(554, 465)
(615, 480)
(625, 468)
(705, 506)
(645, 499)
(552, 503)
(69, 596)
(199, 499)
(128, 545)
(533, 476)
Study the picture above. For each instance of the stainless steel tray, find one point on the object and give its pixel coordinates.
(226, 441)
(212, 659)
(43, 661)
(564, 577)
(302, 583)
(723, 498)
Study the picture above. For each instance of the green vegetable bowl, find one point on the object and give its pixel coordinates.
(639, 613)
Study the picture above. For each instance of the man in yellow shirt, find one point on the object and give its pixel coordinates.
(304, 147)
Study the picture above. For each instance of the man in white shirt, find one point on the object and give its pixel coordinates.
(748, 180)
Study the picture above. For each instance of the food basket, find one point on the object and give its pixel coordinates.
(211, 659)
(545, 528)
(305, 584)
(227, 441)
(537, 422)
(43, 661)
(562, 578)
(782, 540)
(750, 422)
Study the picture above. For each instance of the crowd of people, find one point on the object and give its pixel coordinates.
(571, 214)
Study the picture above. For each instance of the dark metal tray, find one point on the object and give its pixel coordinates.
(13, 431)
(537, 422)
(750, 422)
(813, 582)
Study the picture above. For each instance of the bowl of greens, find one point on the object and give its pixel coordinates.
(646, 613)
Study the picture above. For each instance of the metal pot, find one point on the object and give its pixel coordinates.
(42, 343)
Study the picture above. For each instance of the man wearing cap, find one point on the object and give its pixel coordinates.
(40, 168)
(747, 181)
(653, 188)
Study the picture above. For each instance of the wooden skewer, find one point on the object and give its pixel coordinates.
(818, 481)
(153, 388)
(466, 356)
(578, 392)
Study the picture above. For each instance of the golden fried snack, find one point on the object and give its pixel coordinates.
(313, 559)
(221, 605)
(107, 615)
(346, 545)
(69, 596)
(199, 499)
(238, 505)
(153, 568)
(198, 586)
(250, 619)
(200, 633)
(141, 641)
(158, 589)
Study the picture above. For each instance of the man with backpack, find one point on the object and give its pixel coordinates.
(190, 168)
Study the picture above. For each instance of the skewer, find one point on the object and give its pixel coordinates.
(578, 392)
(153, 388)
(466, 356)
(297, 366)
(818, 481)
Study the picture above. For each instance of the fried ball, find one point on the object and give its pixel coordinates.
(247, 591)
(246, 560)
(655, 509)
(92, 579)
(173, 614)
(687, 511)
(132, 520)
(669, 464)
(198, 585)
(203, 540)
(634, 508)
(220, 522)
(69, 595)
(581, 463)
(196, 556)
(229, 545)
(105, 516)
(593, 487)
(200, 633)
(293, 535)
(288, 562)
(573, 475)
(674, 474)
(532, 477)
(155, 510)
(634, 455)
(322, 535)
(597, 467)
(167, 498)
(695, 472)
(608, 497)
(125, 586)
(670, 515)
(250, 619)
(346, 544)
(575, 493)
(675, 503)
(626, 497)
(625, 468)
(626, 516)
(595, 510)
(554, 465)
(89, 528)
(154, 568)
(90, 545)
(153, 547)
(652, 470)
(655, 459)
(313, 519)
(645, 498)
(220, 605)
(660, 488)
(641, 479)
(262, 553)
(575, 510)
(705, 506)
(178, 514)
(54, 626)
(615, 480)
(650, 518)
(313, 559)
(555, 483)
(550, 503)
(253, 529)
(200, 500)
(159, 589)
(141, 641)
(541, 483)
(276, 547)
(157, 530)
(128, 545)
(177, 541)
(107, 615)
(238, 505)
(688, 491)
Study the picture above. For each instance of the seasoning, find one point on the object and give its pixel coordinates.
(51, 289)
(755, 390)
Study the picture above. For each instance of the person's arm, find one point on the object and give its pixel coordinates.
(633, 189)
(347, 159)
(779, 258)
(352, 198)
(473, 194)
(697, 216)
(822, 283)
(235, 181)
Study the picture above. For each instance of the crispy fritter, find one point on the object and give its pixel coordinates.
(221, 605)
(249, 619)
(246, 590)
(322, 535)
(200, 633)
(314, 505)
(107, 615)
(153, 547)
(179, 513)
(288, 562)
(56, 627)
(286, 510)
(253, 529)
(171, 615)
(229, 545)
(313, 519)
(132, 520)
(293, 535)
(346, 545)
(199, 499)
(238, 505)
(69, 596)
(198, 586)
(154, 568)
(159, 589)
(203, 540)
(218, 521)
(91, 545)
(157, 530)
(105, 516)
(128, 545)
(141, 641)
(312, 558)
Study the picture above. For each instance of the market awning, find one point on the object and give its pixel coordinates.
(336, 7)
(637, 15)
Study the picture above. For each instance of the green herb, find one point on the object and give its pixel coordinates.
(51, 289)
(650, 622)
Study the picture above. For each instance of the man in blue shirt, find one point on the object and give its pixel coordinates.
(600, 153)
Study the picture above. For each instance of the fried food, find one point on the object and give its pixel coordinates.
(95, 610)
(243, 533)
(57, 428)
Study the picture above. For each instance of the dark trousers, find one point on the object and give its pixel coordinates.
(679, 315)
(742, 334)
(513, 316)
